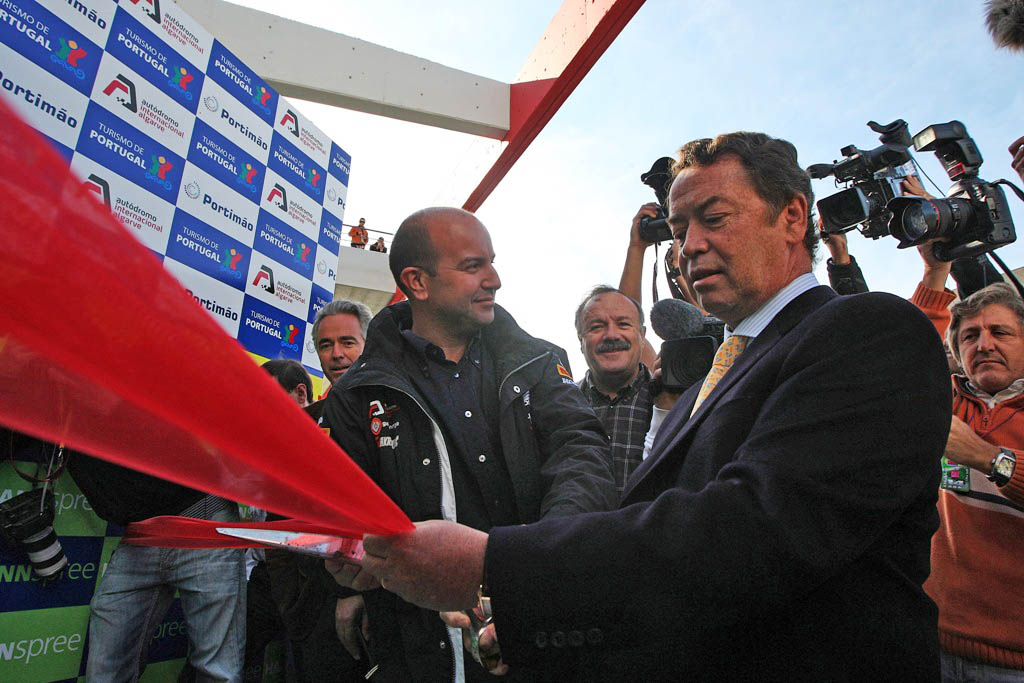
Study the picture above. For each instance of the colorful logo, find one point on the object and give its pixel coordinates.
(290, 333)
(291, 121)
(96, 184)
(151, 8)
(68, 56)
(246, 176)
(562, 371)
(279, 193)
(229, 264)
(125, 92)
(265, 274)
(302, 253)
(158, 168)
(180, 79)
(313, 179)
(260, 99)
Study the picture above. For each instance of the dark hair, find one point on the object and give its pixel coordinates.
(771, 164)
(359, 311)
(1000, 294)
(413, 247)
(596, 292)
(289, 374)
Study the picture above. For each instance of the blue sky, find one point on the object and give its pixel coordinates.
(811, 72)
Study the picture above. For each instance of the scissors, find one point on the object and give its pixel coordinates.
(319, 545)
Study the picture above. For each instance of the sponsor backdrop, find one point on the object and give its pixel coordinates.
(236, 192)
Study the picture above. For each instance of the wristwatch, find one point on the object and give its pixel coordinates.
(1003, 466)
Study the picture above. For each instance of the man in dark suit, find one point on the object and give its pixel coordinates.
(780, 529)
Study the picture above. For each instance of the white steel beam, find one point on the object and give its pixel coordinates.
(311, 63)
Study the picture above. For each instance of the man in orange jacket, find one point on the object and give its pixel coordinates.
(978, 552)
(359, 234)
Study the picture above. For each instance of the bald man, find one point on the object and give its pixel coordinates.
(457, 413)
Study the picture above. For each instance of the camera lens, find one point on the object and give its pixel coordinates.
(843, 210)
(916, 220)
(45, 553)
(26, 520)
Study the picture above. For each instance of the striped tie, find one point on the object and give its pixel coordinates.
(724, 358)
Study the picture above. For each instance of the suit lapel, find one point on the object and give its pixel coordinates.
(675, 433)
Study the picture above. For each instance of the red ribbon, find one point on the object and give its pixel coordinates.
(103, 350)
(185, 532)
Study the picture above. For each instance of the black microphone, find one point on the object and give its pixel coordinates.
(691, 341)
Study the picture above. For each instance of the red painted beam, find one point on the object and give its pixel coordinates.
(550, 75)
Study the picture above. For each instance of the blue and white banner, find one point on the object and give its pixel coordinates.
(228, 184)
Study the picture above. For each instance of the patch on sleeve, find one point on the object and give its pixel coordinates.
(563, 372)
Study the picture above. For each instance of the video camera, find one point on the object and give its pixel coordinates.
(875, 175)
(659, 178)
(975, 216)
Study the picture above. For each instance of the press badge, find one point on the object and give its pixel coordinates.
(955, 477)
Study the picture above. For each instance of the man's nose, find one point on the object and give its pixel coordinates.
(492, 281)
(611, 332)
(986, 342)
(694, 243)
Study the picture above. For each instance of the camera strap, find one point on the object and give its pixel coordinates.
(56, 454)
(654, 276)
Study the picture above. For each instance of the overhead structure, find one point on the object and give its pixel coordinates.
(378, 80)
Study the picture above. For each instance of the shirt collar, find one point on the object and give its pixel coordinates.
(754, 324)
(643, 376)
(1015, 389)
(427, 349)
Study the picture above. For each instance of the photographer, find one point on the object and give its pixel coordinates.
(630, 284)
(976, 554)
(844, 274)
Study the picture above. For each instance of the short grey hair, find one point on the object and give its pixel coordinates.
(1000, 294)
(354, 308)
(596, 292)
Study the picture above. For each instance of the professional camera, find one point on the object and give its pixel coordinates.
(691, 340)
(875, 175)
(974, 218)
(659, 178)
(26, 520)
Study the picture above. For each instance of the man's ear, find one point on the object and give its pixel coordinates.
(415, 280)
(301, 395)
(794, 216)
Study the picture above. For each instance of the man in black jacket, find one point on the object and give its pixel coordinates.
(457, 413)
(780, 528)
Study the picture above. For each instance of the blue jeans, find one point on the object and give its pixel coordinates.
(133, 596)
(956, 669)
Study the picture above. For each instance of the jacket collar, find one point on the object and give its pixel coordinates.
(504, 342)
(679, 426)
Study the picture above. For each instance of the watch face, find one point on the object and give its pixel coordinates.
(1004, 466)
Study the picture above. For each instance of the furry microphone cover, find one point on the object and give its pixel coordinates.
(1005, 21)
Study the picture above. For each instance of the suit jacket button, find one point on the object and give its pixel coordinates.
(558, 639)
(576, 638)
(541, 639)
(595, 636)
